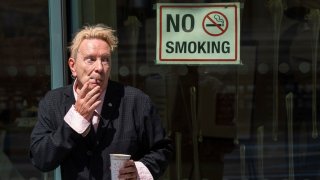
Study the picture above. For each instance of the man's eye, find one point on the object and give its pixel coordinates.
(105, 60)
(89, 60)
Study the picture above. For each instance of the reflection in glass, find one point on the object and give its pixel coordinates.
(314, 18)
(276, 8)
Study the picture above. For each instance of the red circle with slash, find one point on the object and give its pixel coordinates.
(215, 23)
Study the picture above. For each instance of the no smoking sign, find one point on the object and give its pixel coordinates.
(205, 33)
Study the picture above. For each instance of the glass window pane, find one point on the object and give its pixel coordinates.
(258, 120)
(25, 77)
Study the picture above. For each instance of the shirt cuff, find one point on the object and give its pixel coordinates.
(77, 122)
(143, 171)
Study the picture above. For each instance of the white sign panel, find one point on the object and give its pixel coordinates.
(202, 33)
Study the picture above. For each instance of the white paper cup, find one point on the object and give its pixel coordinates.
(117, 162)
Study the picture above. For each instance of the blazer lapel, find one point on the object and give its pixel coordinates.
(110, 108)
(69, 99)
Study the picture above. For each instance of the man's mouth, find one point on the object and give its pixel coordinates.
(94, 81)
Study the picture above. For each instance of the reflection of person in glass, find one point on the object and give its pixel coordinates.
(81, 124)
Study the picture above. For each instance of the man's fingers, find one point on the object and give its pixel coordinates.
(128, 175)
(94, 105)
(88, 100)
(92, 94)
(129, 163)
(128, 171)
(84, 90)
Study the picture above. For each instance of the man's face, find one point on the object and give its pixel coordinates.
(92, 63)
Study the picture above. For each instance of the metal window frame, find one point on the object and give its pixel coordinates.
(57, 32)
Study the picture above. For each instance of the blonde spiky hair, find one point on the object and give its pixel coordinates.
(99, 31)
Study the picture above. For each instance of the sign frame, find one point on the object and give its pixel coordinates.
(163, 58)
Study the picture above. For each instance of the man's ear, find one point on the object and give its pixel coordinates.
(72, 64)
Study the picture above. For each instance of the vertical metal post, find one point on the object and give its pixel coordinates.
(57, 49)
(57, 43)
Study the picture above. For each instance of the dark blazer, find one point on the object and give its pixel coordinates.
(129, 124)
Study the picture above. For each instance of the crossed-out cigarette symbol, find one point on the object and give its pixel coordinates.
(218, 19)
(215, 23)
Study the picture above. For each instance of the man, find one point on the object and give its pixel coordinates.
(81, 124)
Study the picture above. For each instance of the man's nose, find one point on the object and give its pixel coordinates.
(98, 66)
